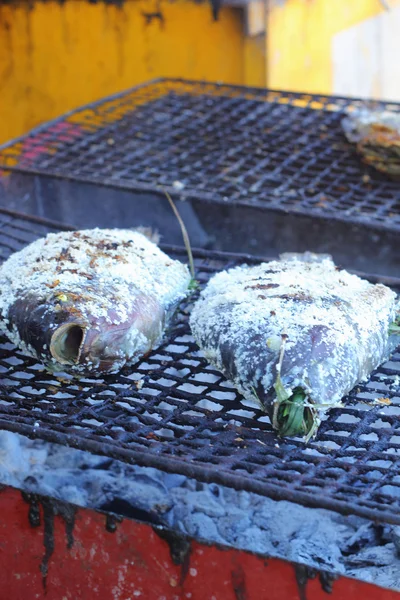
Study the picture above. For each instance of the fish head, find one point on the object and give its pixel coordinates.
(104, 343)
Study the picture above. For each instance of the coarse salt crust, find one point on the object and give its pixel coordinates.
(358, 123)
(106, 269)
(334, 326)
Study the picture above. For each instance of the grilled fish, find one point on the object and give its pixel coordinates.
(296, 335)
(377, 138)
(90, 301)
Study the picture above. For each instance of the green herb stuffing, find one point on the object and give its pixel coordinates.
(193, 285)
(293, 415)
(394, 328)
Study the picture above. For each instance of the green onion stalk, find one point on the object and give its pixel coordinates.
(293, 414)
(394, 327)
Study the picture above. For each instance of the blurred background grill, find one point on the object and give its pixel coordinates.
(226, 144)
(259, 172)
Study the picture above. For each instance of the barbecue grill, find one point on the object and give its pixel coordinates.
(257, 171)
(176, 414)
(260, 171)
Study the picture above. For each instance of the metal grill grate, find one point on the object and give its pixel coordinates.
(174, 412)
(278, 150)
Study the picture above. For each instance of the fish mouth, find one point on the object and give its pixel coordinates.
(67, 342)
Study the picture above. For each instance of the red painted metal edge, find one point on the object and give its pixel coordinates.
(55, 551)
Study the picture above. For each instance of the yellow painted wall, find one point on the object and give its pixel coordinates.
(57, 56)
(254, 61)
(299, 37)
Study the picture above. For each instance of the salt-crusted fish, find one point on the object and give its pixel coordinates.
(90, 301)
(295, 334)
(376, 134)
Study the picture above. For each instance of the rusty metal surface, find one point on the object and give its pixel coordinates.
(54, 550)
(232, 145)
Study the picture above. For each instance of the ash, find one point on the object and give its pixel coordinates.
(319, 538)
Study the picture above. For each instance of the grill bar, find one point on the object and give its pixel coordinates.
(176, 413)
(229, 145)
(275, 491)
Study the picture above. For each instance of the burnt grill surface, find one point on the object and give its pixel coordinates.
(174, 412)
(279, 150)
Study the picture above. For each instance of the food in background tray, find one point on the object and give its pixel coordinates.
(377, 136)
(90, 301)
(295, 334)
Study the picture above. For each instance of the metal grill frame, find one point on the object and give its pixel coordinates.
(358, 194)
(212, 445)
